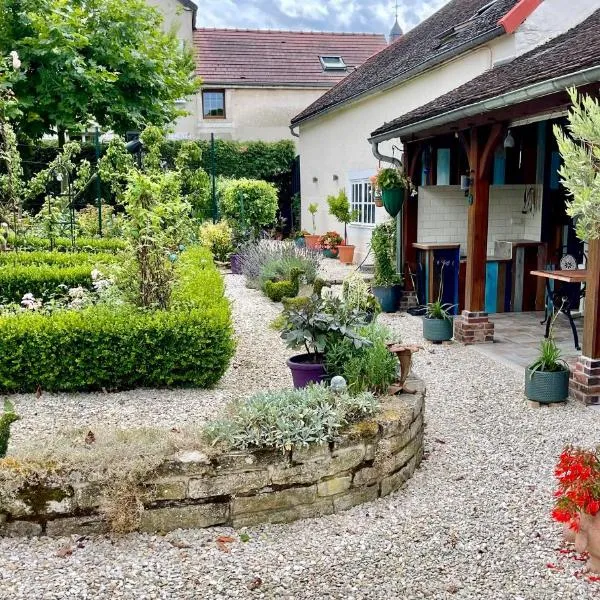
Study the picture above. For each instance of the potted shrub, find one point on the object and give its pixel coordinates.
(387, 284)
(312, 239)
(315, 326)
(299, 238)
(577, 501)
(330, 243)
(438, 324)
(339, 207)
(356, 294)
(547, 379)
(392, 183)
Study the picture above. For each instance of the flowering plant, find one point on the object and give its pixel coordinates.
(331, 240)
(578, 474)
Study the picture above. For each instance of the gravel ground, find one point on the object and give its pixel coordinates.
(472, 523)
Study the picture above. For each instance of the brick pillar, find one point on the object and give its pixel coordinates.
(585, 380)
(473, 328)
(409, 299)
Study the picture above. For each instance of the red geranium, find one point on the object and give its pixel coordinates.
(578, 475)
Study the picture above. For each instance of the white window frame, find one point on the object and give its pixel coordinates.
(360, 185)
(328, 65)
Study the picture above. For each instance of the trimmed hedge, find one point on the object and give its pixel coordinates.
(189, 345)
(43, 281)
(64, 244)
(59, 259)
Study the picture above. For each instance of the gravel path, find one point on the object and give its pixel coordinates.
(472, 523)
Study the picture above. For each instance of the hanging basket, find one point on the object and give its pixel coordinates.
(393, 199)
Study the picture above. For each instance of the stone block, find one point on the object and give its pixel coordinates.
(92, 525)
(20, 529)
(318, 508)
(242, 462)
(394, 482)
(305, 473)
(166, 489)
(88, 495)
(282, 500)
(345, 459)
(228, 484)
(356, 496)
(394, 418)
(163, 520)
(332, 487)
(314, 452)
(185, 463)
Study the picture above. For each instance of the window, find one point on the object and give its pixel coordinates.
(362, 202)
(332, 63)
(213, 104)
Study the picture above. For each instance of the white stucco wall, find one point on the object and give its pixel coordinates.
(550, 19)
(336, 143)
(443, 215)
(257, 113)
(180, 20)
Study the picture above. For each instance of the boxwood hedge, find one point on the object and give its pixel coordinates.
(190, 345)
(63, 259)
(65, 244)
(43, 281)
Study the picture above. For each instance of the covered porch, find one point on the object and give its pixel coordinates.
(490, 208)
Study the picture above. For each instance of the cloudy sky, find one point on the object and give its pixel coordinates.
(319, 15)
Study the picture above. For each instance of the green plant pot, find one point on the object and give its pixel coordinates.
(388, 297)
(393, 199)
(329, 253)
(438, 330)
(547, 387)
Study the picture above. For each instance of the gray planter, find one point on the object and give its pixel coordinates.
(438, 330)
(546, 387)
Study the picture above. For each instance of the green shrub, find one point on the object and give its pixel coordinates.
(59, 259)
(218, 238)
(251, 203)
(289, 418)
(43, 281)
(65, 245)
(371, 367)
(120, 347)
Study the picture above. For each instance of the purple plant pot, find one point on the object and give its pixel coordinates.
(236, 264)
(305, 372)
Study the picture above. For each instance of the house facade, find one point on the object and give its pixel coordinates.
(462, 41)
(255, 81)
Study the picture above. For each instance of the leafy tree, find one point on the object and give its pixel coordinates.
(580, 150)
(107, 60)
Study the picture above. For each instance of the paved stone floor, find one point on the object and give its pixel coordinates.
(518, 335)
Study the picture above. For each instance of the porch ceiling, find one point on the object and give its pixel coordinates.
(528, 85)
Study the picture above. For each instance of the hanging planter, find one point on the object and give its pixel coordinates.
(393, 199)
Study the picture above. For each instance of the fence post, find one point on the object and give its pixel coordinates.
(98, 182)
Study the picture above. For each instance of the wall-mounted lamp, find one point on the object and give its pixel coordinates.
(315, 179)
(509, 140)
(465, 183)
(335, 178)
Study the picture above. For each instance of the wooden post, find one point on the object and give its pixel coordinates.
(591, 325)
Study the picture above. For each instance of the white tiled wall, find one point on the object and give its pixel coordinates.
(443, 215)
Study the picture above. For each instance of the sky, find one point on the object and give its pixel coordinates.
(318, 15)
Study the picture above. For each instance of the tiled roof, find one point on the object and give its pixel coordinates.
(575, 50)
(450, 31)
(245, 57)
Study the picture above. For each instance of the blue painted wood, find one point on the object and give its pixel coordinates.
(443, 166)
(491, 287)
(446, 263)
(499, 177)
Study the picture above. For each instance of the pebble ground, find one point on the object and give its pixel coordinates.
(473, 523)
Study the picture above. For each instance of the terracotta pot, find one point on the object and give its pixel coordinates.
(378, 202)
(588, 540)
(569, 534)
(312, 242)
(346, 254)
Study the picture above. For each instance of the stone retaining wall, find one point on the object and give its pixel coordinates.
(372, 459)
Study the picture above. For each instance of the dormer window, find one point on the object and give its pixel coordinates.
(332, 63)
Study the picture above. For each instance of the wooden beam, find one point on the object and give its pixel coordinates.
(591, 324)
(481, 153)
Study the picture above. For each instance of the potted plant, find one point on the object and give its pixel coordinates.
(312, 239)
(330, 243)
(438, 323)
(339, 207)
(577, 501)
(356, 294)
(315, 326)
(299, 238)
(376, 191)
(392, 183)
(547, 379)
(387, 284)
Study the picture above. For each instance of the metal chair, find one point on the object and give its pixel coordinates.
(563, 297)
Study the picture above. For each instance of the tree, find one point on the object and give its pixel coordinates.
(107, 60)
(580, 173)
